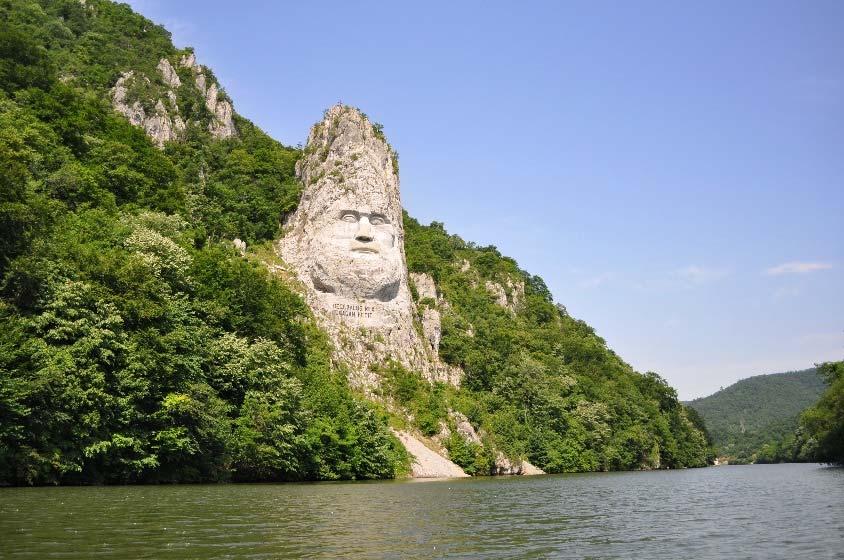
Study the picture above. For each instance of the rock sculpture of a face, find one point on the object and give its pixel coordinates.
(346, 238)
(345, 242)
(355, 249)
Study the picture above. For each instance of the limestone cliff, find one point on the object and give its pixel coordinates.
(345, 243)
(153, 104)
(221, 124)
(162, 124)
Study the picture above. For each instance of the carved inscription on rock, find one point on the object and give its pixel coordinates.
(355, 310)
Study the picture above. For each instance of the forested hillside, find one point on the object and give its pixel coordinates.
(542, 384)
(136, 346)
(758, 410)
(139, 346)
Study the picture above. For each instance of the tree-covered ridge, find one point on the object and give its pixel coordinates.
(820, 435)
(540, 384)
(136, 345)
(759, 410)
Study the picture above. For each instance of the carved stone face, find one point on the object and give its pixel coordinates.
(346, 237)
(354, 251)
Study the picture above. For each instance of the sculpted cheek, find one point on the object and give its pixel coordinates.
(385, 239)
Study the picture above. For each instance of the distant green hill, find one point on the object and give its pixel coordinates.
(758, 410)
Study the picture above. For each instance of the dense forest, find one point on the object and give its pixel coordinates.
(139, 346)
(757, 411)
(819, 435)
(136, 345)
(540, 383)
(783, 417)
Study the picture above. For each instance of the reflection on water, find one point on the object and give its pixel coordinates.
(763, 511)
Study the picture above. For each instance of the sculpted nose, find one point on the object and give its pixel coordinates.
(364, 233)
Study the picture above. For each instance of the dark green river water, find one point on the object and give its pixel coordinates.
(763, 511)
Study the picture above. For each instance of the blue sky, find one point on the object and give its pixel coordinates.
(674, 171)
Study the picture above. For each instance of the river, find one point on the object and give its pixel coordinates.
(759, 511)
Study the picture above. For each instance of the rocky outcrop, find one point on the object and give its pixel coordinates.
(426, 462)
(510, 298)
(163, 123)
(465, 428)
(188, 60)
(517, 293)
(168, 74)
(431, 327)
(429, 315)
(497, 290)
(222, 123)
(504, 466)
(345, 242)
(222, 112)
(424, 284)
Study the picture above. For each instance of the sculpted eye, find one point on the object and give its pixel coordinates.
(348, 217)
(377, 220)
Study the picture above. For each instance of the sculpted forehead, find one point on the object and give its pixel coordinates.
(347, 163)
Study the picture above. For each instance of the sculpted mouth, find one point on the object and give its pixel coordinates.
(359, 248)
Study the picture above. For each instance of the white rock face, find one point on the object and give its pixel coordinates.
(425, 286)
(222, 120)
(222, 125)
(168, 73)
(188, 60)
(497, 290)
(503, 466)
(428, 315)
(158, 125)
(465, 428)
(346, 244)
(517, 293)
(199, 79)
(432, 327)
(427, 463)
(516, 297)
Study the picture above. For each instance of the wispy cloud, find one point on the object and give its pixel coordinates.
(797, 267)
(695, 274)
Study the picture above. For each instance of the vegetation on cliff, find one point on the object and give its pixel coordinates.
(139, 346)
(819, 435)
(540, 384)
(136, 345)
(758, 413)
(822, 424)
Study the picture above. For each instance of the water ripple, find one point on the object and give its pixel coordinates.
(765, 511)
